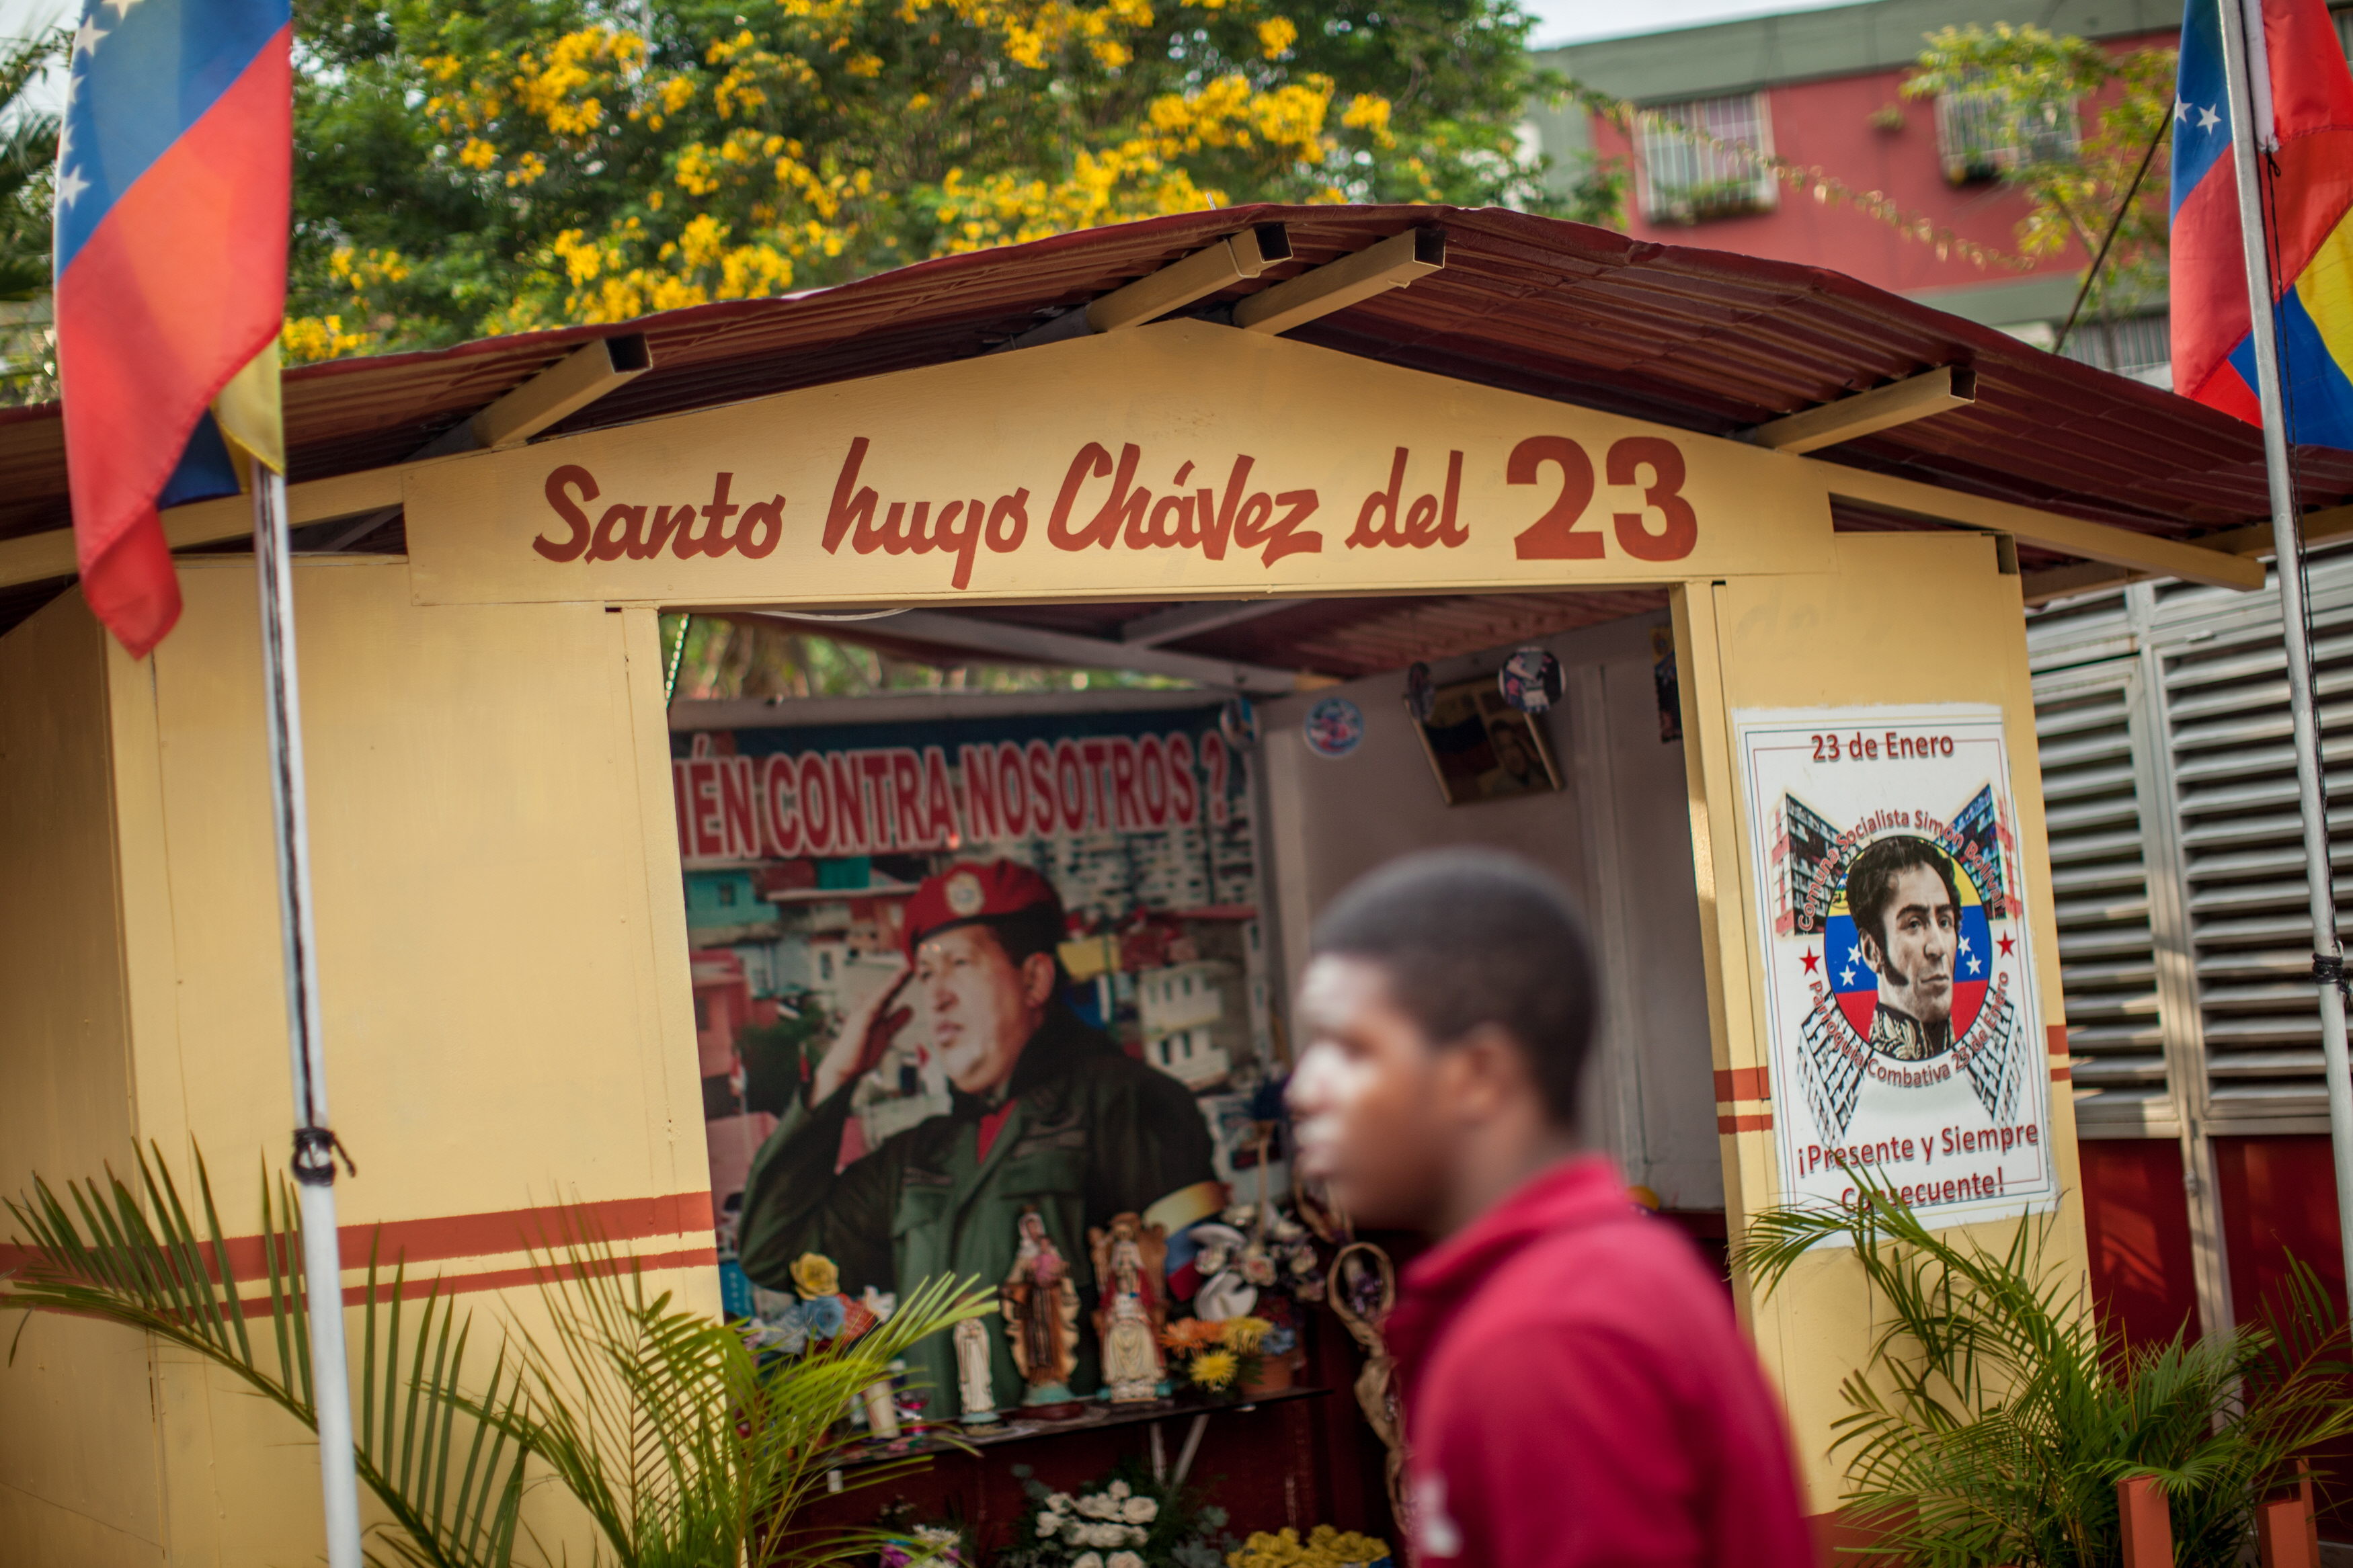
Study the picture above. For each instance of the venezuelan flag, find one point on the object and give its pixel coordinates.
(174, 175)
(2303, 116)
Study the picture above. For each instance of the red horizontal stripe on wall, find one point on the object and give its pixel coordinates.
(2054, 1040)
(511, 1230)
(2061, 1074)
(1759, 1123)
(1743, 1083)
(503, 1279)
(418, 1241)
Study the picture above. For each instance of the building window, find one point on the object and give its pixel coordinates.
(2137, 346)
(1980, 134)
(1694, 166)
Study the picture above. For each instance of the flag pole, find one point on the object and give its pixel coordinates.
(315, 1146)
(2242, 43)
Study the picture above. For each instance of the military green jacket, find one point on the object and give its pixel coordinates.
(1092, 1133)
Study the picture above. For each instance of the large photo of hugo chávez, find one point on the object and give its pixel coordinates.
(1033, 990)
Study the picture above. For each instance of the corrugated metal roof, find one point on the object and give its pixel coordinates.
(1699, 340)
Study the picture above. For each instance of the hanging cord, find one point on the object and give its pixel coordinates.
(2115, 223)
(2327, 968)
(677, 656)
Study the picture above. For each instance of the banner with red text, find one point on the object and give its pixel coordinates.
(1905, 1033)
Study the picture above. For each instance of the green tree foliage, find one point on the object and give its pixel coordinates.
(28, 156)
(500, 165)
(2080, 131)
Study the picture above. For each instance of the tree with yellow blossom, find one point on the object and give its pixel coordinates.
(498, 165)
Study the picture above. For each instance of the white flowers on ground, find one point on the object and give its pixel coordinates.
(1107, 1521)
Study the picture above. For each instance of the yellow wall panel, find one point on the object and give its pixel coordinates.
(1909, 619)
(78, 1458)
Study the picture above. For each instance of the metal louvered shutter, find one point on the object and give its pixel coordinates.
(2242, 860)
(2099, 878)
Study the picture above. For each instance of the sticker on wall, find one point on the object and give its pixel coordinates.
(1335, 726)
(1530, 680)
(1421, 691)
(1905, 1027)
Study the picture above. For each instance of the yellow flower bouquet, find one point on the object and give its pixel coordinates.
(1324, 1548)
(1217, 1356)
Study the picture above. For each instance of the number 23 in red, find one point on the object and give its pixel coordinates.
(1554, 536)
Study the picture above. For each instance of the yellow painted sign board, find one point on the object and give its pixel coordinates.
(1181, 461)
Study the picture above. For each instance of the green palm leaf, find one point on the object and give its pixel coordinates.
(1992, 1418)
(688, 1447)
(451, 1479)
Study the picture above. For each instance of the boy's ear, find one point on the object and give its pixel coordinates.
(1488, 1072)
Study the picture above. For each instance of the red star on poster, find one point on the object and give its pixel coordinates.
(2005, 947)
(1810, 959)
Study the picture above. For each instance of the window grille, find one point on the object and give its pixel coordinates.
(2137, 346)
(1688, 178)
(1980, 135)
(2243, 849)
(2172, 765)
(2100, 895)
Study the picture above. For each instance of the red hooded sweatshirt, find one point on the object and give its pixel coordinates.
(1577, 1392)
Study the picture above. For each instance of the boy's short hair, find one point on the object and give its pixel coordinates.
(1469, 937)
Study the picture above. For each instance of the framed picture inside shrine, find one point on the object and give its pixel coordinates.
(1482, 748)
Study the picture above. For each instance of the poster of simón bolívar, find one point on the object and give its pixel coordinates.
(1904, 1030)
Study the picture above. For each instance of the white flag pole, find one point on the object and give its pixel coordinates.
(2252, 129)
(315, 1147)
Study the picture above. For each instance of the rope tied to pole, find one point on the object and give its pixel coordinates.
(315, 1151)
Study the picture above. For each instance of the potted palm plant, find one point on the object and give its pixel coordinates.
(679, 1439)
(1994, 1415)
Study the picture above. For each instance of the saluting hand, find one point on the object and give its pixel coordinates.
(864, 1035)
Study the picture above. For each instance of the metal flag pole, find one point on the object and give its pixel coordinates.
(2250, 95)
(315, 1146)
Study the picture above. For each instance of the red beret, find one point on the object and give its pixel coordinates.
(968, 891)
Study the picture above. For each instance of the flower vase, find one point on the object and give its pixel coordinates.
(1275, 1374)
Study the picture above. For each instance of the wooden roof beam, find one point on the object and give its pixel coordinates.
(559, 390)
(2253, 542)
(1336, 285)
(1898, 403)
(37, 557)
(1036, 645)
(1184, 621)
(1234, 260)
(2068, 535)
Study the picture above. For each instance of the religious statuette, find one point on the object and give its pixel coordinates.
(1041, 1317)
(882, 1410)
(972, 1373)
(1129, 1258)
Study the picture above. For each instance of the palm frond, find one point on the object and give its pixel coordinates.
(687, 1446)
(133, 1255)
(1992, 1418)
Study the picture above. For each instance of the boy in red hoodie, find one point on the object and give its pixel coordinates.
(1577, 1391)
